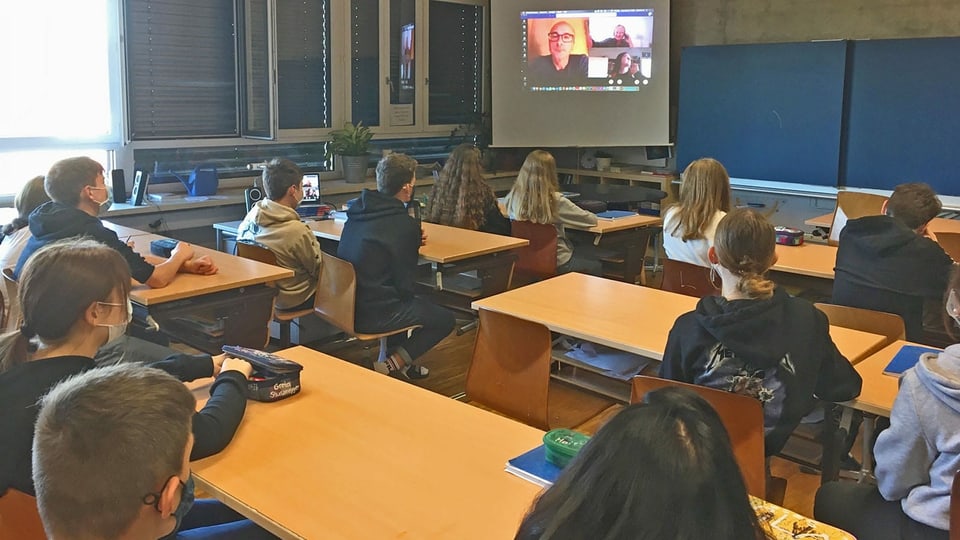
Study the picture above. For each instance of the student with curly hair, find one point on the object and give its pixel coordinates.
(461, 197)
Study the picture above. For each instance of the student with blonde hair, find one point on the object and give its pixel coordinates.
(17, 233)
(461, 198)
(689, 226)
(757, 340)
(536, 197)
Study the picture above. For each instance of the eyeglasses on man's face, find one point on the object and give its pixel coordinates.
(564, 37)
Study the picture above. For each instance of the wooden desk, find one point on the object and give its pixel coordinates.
(813, 260)
(623, 316)
(879, 390)
(937, 225)
(232, 307)
(360, 455)
(123, 232)
(606, 226)
(235, 272)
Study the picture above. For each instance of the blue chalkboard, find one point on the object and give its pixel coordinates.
(766, 111)
(904, 114)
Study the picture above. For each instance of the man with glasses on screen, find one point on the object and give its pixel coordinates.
(559, 66)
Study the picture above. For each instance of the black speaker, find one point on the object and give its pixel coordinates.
(252, 196)
(119, 186)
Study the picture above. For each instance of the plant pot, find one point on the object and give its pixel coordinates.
(603, 163)
(354, 168)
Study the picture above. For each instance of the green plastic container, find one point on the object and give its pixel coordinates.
(562, 444)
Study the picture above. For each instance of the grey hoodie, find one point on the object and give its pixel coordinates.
(920, 452)
(279, 228)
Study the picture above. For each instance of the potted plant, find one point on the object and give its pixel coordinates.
(604, 159)
(352, 144)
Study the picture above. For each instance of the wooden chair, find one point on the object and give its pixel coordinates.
(955, 508)
(866, 320)
(261, 253)
(950, 242)
(14, 318)
(852, 205)
(538, 260)
(686, 278)
(19, 517)
(510, 374)
(337, 298)
(742, 416)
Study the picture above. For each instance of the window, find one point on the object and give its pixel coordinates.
(58, 98)
(303, 64)
(181, 68)
(456, 63)
(365, 61)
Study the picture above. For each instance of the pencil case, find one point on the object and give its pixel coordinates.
(788, 236)
(274, 377)
(562, 445)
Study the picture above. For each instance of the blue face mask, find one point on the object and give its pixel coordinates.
(187, 496)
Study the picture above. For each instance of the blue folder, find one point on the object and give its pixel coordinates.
(906, 358)
(534, 467)
(615, 214)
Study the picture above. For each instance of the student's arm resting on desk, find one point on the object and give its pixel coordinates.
(164, 272)
(216, 423)
(189, 367)
(903, 452)
(572, 215)
(837, 380)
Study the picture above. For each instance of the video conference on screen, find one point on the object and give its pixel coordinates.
(593, 50)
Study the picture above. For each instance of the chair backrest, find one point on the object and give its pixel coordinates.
(950, 242)
(510, 369)
(19, 517)
(955, 508)
(539, 259)
(686, 278)
(14, 318)
(255, 251)
(853, 205)
(337, 293)
(865, 320)
(741, 415)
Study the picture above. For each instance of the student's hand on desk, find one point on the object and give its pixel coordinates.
(423, 237)
(183, 250)
(218, 363)
(200, 265)
(236, 364)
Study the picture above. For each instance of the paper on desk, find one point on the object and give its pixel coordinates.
(615, 363)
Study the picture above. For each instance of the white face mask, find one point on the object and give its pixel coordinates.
(953, 305)
(117, 331)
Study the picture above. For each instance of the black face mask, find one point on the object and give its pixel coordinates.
(187, 496)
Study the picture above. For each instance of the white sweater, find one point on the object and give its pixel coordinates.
(690, 251)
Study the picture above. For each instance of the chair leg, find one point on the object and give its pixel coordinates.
(382, 357)
(284, 334)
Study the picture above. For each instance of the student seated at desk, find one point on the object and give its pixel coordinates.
(78, 194)
(462, 198)
(536, 198)
(112, 454)
(757, 340)
(917, 456)
(74, 299)
(275, 223)
(892, 262)
(16, 233)
(382, 242)
(659, 469)
(689, 226)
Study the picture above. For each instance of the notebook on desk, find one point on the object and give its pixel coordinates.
(906, 358)
(533, 467)
(615, 214)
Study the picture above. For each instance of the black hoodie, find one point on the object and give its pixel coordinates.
(884, 265)
(777, 350)
(53, 221)
(382, 242)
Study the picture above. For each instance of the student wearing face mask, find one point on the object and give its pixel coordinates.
(134, 424)
(275, 223)
(79, 193)
(74, 296)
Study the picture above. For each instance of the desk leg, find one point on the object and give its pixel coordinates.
(866, 468)
(219, 239)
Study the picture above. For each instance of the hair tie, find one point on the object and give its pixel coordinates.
(27, 332)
